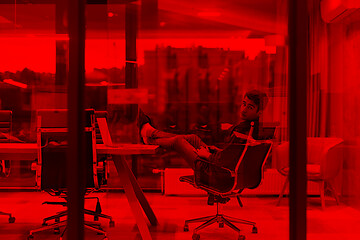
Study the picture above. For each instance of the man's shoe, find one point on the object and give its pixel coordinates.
(142, 120)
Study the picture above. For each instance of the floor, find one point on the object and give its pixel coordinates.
(335, 222)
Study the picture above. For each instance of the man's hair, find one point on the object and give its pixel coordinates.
(258, 97)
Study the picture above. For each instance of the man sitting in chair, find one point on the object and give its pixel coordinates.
(191, 147)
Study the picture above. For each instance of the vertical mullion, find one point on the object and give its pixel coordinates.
(131, 29)
(298, 39)
(76, 117)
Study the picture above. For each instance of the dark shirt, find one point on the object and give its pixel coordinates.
(232, 149)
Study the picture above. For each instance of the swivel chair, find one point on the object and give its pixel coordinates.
(247, 172)
(5, 134)
(51, 168)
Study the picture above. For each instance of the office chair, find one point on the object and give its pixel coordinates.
(102, 166)
(324, 161)
(5, 137)
(247, 172)
(51, 168)
(5, 133)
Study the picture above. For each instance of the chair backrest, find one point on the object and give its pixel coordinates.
(52, 143)
(99, 114)
(318, 147)
(5, 137)
(250, 167)
(267, 132)
(57, 118)
(5, 125)
(249, 171)
(103, 167)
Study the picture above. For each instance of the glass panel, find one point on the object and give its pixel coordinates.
(28, 66)
(30, 81)
(332, 121)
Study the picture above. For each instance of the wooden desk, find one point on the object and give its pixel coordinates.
(136, 198)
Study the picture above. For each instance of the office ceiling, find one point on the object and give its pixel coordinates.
(174, 18)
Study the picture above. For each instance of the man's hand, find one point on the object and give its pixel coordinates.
(226, 126)
(213, 149)
(203, 152)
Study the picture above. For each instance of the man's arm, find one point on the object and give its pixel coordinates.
(243, 136)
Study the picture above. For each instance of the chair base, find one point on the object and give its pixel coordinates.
(222, 220)
(96, 215)
(94, 226)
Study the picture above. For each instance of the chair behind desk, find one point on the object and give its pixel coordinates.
(5, 137)
(99, 114)
(103, 167)
(5, 125)
(53, 155)
(52, 165)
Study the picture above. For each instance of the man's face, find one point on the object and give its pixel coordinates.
(249, 110)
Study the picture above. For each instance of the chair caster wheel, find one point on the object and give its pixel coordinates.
(254, 230)
(111, 224)
(11, 219)
(30, 237)
(186, 228)
(196, 236)
(221, 225)
(44, 224)
(96, 218)
(241, 237)
(57, 230)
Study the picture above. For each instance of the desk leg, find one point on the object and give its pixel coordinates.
(136, 198)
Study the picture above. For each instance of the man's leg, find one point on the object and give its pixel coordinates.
(181, 145)
(194, 140)
(148, 133)
(185, 145)
(156, 137)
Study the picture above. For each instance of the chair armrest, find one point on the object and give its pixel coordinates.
(232, 172)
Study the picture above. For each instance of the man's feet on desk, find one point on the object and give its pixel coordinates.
(143, 119)
(145, 128)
